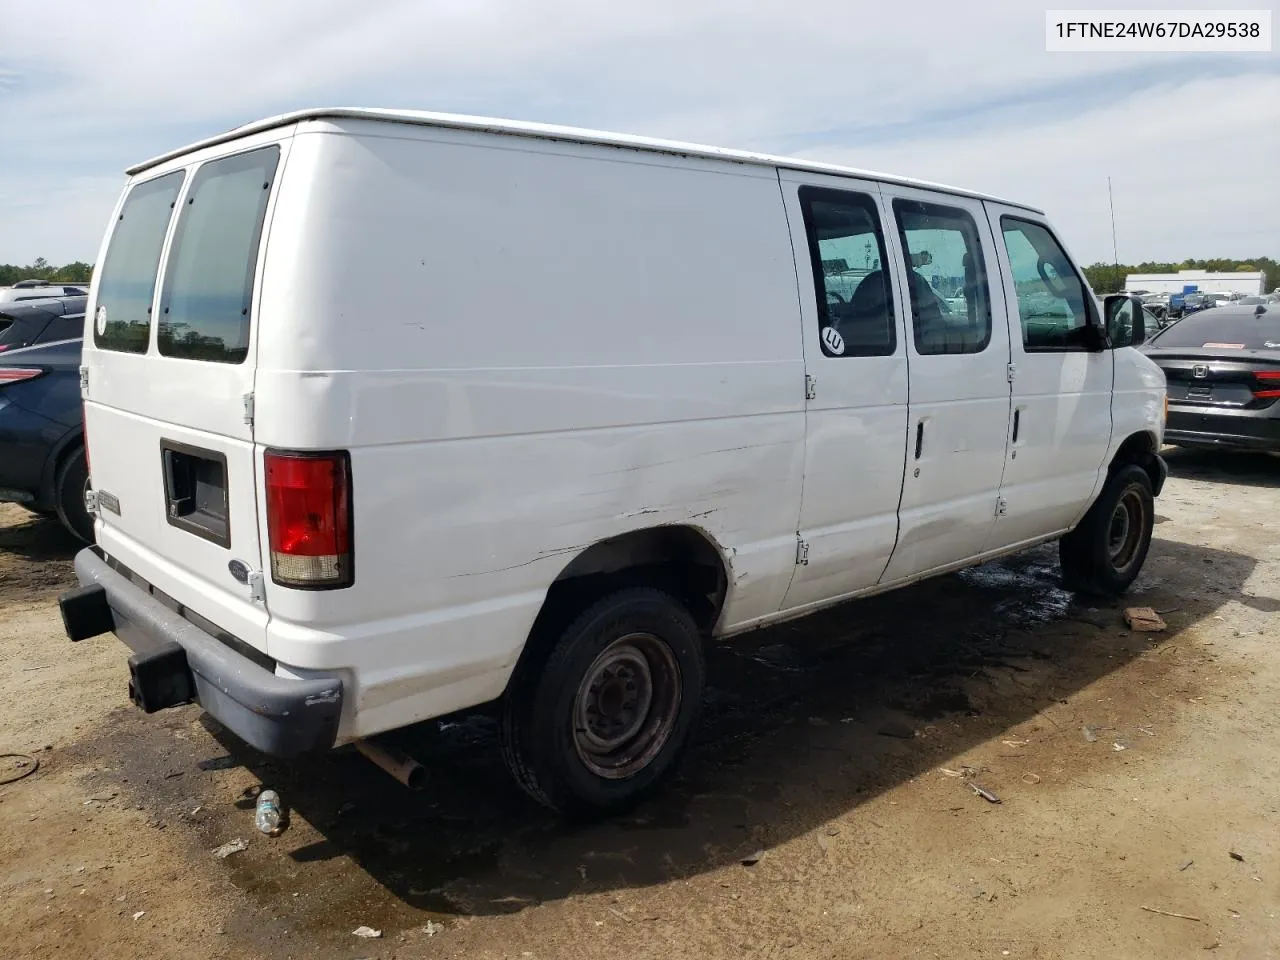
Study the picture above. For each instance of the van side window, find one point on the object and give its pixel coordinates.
(208, 284)
(128, 279)
(946, 277)
(1052, 299)
(846, 252)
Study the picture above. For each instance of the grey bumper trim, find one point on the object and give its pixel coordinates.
(277, 715)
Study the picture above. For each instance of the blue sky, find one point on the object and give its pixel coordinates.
(957, 93)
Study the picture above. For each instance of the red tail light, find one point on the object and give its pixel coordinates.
(1268, 384)
(18, 374)
(309, 519)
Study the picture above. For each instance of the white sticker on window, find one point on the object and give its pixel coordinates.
(100, 319)
(832, 340)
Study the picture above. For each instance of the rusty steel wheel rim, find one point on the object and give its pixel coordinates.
(626, 706)
(1124, 533)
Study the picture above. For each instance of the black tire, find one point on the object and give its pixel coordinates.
(556, 727)
(1105, 553)
(72, 482)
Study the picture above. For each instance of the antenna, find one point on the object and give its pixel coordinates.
(1115, 256)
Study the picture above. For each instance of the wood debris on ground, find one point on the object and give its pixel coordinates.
(1144, 620)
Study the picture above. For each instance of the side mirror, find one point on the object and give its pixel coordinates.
(1126, 326)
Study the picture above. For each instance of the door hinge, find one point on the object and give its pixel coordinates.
(84, 378)
(810, 386)
(1002, 507)
(1011, 371)
(91, 502)
(248, 408)
(257, 587)
(802, 552)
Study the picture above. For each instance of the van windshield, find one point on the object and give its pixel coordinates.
(128, 279)
(208, 285)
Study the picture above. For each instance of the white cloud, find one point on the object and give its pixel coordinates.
(932, 89)
(1192, 169)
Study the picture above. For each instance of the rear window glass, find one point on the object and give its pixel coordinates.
(1239, 331)
(128, 279)
(208, 286)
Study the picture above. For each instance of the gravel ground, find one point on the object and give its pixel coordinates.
(827, 810)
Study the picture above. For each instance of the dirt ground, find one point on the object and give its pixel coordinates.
(827, 809)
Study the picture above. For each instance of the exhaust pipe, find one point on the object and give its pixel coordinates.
(396, 762)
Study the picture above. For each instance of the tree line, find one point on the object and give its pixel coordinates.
(1103, 277)
(1109, 277)
(42, 269)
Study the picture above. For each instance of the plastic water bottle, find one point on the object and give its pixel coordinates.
(267, 813)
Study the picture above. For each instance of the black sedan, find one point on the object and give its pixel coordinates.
(1223, 370)
(42, 459)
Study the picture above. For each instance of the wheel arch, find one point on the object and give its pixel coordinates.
(1140, 448)
(65, 447)
(683, 559)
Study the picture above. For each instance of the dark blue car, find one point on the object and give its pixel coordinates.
(44, 320)
(42, 459)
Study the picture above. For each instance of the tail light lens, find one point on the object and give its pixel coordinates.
(18, 374)
(1268, 384)
(309, 519)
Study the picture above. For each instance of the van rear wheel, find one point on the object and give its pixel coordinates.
(1105, 553)
(602, 720)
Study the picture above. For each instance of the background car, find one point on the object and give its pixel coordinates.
(40, 290)
(1223, 371)
(1157, 303)
(30, 322)
(42, 458)
(1194, 302)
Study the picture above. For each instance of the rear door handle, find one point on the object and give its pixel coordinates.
(1017, 421)
(919, 438)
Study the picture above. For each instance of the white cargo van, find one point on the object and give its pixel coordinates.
(392, 414)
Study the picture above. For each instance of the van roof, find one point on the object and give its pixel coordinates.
(544, 131)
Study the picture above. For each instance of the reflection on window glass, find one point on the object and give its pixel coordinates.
(127, 282)
(208, 285)
(855, 305)
(1051, 296)
(950, 304)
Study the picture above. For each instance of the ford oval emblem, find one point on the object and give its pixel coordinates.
(239, 570)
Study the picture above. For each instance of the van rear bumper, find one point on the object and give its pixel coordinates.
(281, 716)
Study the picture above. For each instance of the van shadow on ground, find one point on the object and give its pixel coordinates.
(791, 739)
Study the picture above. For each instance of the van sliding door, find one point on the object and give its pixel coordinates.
(857, 415)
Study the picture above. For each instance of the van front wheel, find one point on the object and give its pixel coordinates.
(1105, 553)
(604, 717)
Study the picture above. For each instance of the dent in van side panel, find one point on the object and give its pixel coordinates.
(453, 563)
(561, 344)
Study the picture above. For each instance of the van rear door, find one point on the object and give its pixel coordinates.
(170, 355)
